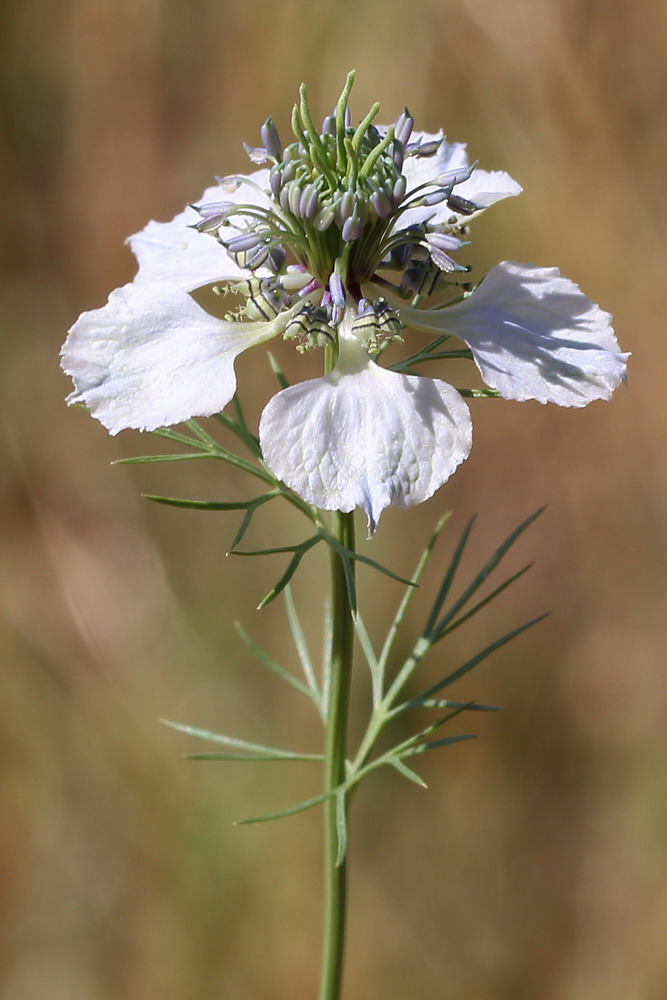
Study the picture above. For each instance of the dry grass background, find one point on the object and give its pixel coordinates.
(534, 868)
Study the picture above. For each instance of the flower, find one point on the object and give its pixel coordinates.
(336, 245)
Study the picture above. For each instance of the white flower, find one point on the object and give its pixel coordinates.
(362, 435)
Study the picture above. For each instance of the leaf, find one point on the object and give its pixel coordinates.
(410, 591)
(271, 664)
(203, 436)
(448, 578)
(248, 516)
(230, 741)
(292, 567)
(406, 771)
(469, 664)
(300, 645)
(146, 459)
(444, 742)
(175, 436)
(488, 568)
(209, 504)
(487, 600)
(473, 706)
(371, 659)
(254, 756)
(277, 371)
(290, 811)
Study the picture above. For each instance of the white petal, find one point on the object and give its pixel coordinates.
(365, 437)
(420, 170)
(486, 187)
(152, 357)
(174, 252)
(533, 335)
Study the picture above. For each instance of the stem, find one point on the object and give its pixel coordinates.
(335, 745)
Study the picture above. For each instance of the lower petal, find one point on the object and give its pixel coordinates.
(152, 357)
(370, 438)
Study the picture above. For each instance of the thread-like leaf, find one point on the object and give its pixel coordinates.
(255, 756)
(271, 664)
(291, 569)
(487, 569)
(410, 591)
(433, 744)
(290, 811)
(209, 504)
(469, 664)
(232, 741)
(406, 771)
(481, 604)
(300, 645)
(448, 578)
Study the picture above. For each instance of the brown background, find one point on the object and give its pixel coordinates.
(534, 867)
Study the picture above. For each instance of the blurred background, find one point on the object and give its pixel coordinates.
(535, 866)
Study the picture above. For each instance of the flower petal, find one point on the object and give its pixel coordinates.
(153, 357)
(485, 187)
(365, 437)
(174, 252)
(533, 335)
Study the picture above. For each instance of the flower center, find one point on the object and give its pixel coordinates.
(335, 204)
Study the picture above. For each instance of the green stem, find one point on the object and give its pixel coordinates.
(335, 746)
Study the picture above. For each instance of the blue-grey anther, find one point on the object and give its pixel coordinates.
(271, 139)
(309, 202)
(337, 290)
(450, 178)
(349, 184)
(324, 218)
(294, 199)
(352, 228)
(443, 241)
(424, 148)
(276, 181)
(462, 205)
(244, 242)
(345, 207)
(382, 203)
(398, 191)
(444, 262)
(403, 127)
(434, 197)
(213, 215)
(289, 171)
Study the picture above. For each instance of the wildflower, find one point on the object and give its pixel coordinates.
(337, 243)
